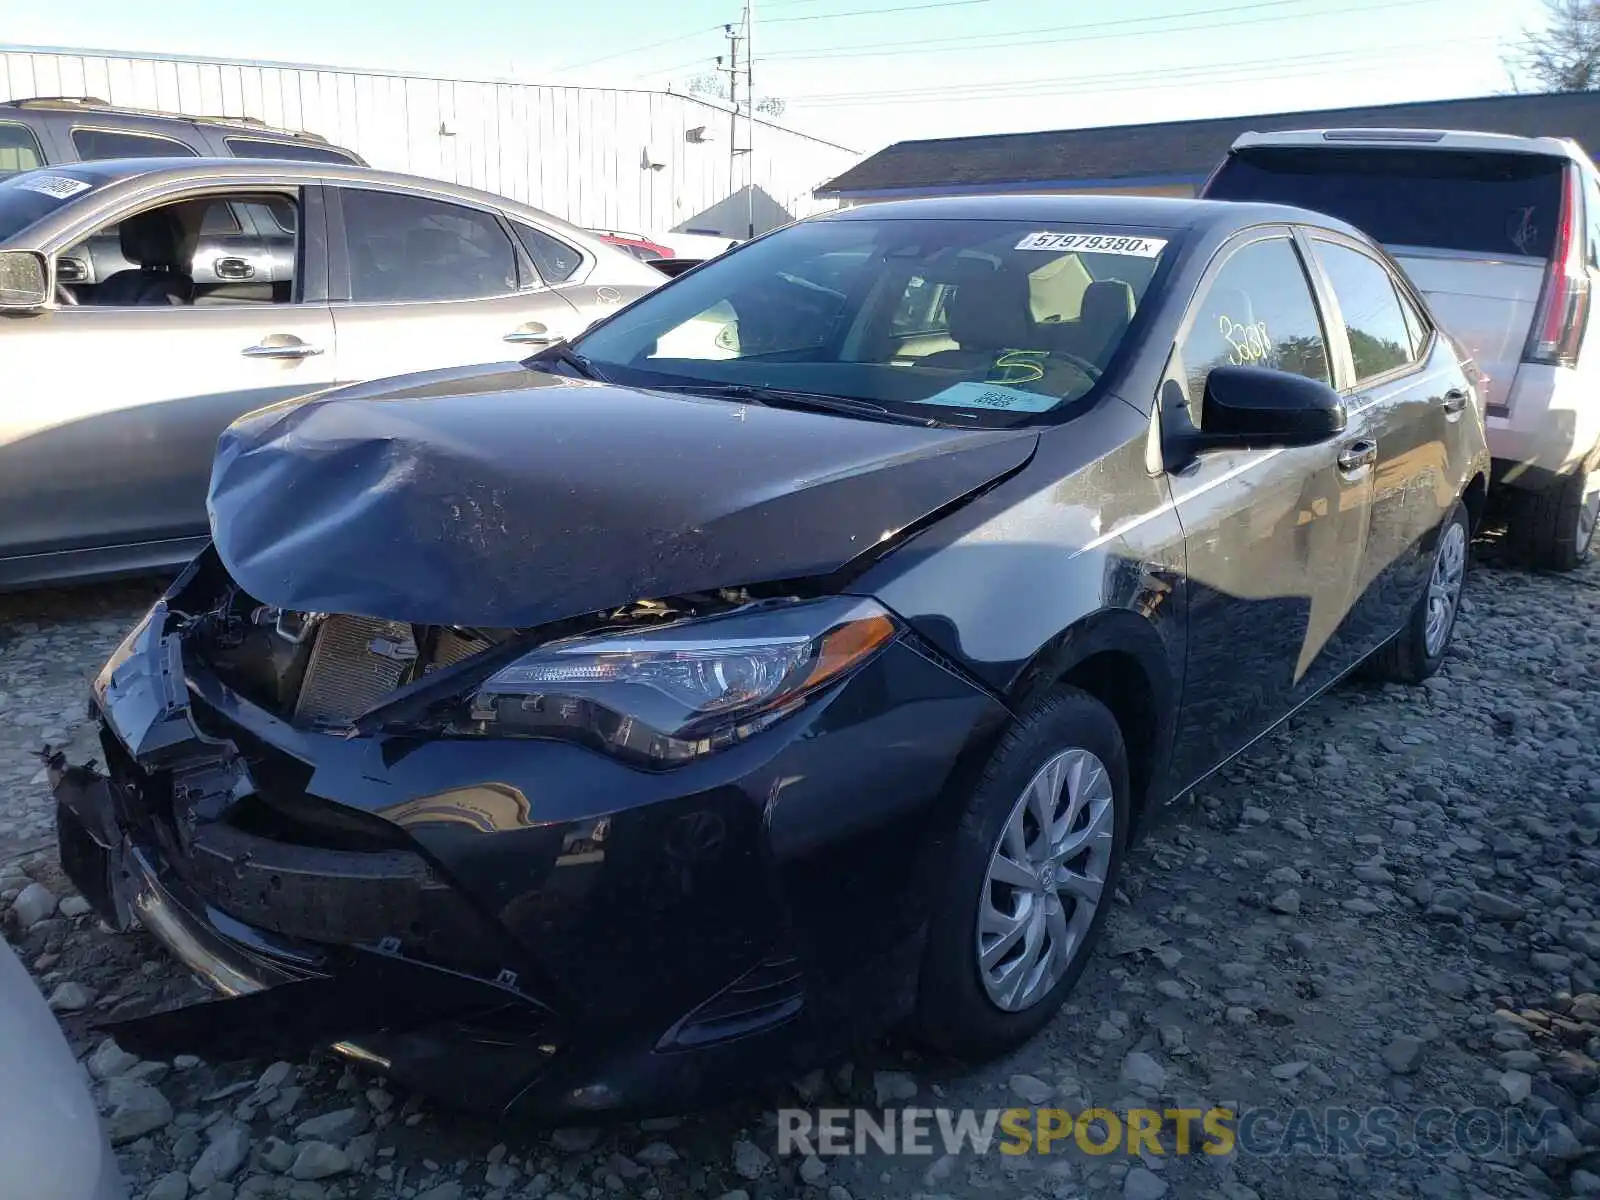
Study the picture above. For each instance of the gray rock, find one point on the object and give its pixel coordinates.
(812, 1169)
(171, 1186)
(1140, 1069)
(136, 1109)
(750, 1161)
(1286, 902)
(1403, 1055)
(1289, 1070)
(1550, 963)
(1584, 1183)
(276, 1155)
(33, 904)
(1143, 1184)
(225, 1154)
(889, 1086)
(1251, 815)
(338, 1126)
(501, 1175)
(318, 1160)
(1449, 983)
(1517, 1085)
(275, 1076)
(1030, 1089)
(657, 1154)
(73, 907)
(574, 1139)
(445, 1191)
(70, 996)
(1497, 908)
(109, 1060)
(1172, 989)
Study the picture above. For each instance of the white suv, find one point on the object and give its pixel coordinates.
(1503, 236)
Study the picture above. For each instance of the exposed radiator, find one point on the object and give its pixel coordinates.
(355, 662)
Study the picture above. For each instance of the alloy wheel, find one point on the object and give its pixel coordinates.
(1444, 587)
(1046, 878)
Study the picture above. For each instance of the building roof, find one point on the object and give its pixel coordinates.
(1175, 151)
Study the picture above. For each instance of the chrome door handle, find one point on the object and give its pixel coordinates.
(1357, 456)
(269, 348)
(233, 268)
(1453, 401)
(531, 334)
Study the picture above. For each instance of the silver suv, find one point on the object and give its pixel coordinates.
(116, 379)
(1503, 236)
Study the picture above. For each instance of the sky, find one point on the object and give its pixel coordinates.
(865, 73)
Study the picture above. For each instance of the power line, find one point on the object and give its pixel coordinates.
(1089, 81)
(876, 12)
(672, 41)
(971, 42)
(1111, 86)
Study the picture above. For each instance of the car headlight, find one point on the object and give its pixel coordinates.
(666, 696)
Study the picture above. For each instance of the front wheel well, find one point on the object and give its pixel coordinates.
(1117, 679)
(1474, 497)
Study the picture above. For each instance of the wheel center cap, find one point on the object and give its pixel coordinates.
(1047, 877)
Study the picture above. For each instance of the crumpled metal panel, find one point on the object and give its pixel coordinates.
(489, 496)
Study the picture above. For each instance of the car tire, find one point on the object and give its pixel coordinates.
(1067, 741)
(1555, 529)
(1420, 647)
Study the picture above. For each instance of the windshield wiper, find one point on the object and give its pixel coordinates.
(783, 398)
(564, 354)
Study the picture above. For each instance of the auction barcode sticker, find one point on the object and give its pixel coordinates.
(1094, 243)
(58, 186)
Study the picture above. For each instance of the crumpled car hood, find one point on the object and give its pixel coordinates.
(505, 497)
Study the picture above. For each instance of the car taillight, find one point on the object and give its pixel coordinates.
(1563, 312)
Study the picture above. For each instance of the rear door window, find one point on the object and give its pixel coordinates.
(1380, 338)
(19, 149)
(413, 248)
(1481, 203)
(93, 144)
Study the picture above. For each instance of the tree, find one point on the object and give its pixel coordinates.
(714, 83)
(1564, 56)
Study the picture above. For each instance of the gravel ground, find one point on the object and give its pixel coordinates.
(1395, 904)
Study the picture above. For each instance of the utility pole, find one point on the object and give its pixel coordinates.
(735, 35)
(750, 122)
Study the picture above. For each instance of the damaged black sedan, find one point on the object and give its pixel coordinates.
(791, 655)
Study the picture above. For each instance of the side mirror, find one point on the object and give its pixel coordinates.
(24, 281)
(1250, 407)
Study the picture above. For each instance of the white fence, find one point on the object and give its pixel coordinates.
(599, 157)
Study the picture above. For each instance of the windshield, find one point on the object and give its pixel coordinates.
(1475, 201)
(30, 197)
(961, 321)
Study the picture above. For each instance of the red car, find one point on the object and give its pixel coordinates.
(635, 244)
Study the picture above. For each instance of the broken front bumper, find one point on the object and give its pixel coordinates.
(521, 924)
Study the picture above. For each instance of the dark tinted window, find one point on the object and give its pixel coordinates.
(1256, 312)
(104, 143)
(19, 149)
(412, 248)
(298, 151)
(555, 259)
(1380, 340)
(1481, 203)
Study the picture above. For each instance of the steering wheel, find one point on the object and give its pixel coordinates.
(65, 296)
(1083, 364)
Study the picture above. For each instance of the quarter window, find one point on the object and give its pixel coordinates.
(19, 149)
(411, 248)
(1257, 312)
(93, 144)
(1380, 339)
(557, 262)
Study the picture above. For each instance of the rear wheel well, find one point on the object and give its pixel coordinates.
(1117, 680)
(1477, 492)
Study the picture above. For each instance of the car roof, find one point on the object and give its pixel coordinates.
(158, 171)
(1147, 212)
(1410, 139)
(71, 108)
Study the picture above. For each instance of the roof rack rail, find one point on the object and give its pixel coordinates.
(58, 102)
(97, 104)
